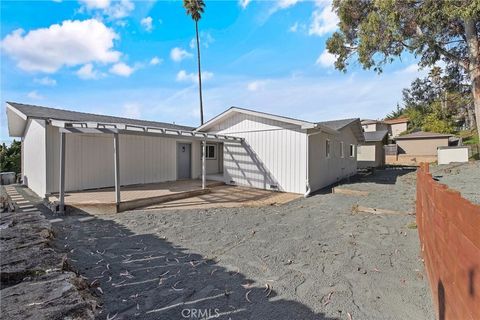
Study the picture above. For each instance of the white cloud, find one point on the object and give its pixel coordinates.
(184, 76)
(178, 54)
(46, 81)
(34, 95)
(131, 110)
(112, 9)
(155, 60)
(206, 40)
(323, 21)
(147, 23)
(244, 3)
(256, 85)
(121, 69)
(68, 44)
(293, 27)
(413, 68)
(96, 4)
(87, 72)
(326, 59)
(283, 4)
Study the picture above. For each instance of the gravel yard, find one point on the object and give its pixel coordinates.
(312, 258)
(462, 177)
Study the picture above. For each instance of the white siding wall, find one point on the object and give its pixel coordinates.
(34, 157)
(324, 171)
(89, 160)
(274, 153)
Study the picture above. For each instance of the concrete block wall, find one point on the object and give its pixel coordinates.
(449, 231)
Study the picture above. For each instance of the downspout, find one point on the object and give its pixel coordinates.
(307, 180)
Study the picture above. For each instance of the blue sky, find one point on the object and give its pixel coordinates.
(137, 59)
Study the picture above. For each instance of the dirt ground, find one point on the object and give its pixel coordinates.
(308, 259)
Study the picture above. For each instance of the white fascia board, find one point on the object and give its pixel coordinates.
(300, 123)
(16, 111)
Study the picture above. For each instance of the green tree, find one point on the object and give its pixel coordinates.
(10, 157)
(195, 9)
(376, 32)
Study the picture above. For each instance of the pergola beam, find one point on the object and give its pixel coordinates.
(61, 184)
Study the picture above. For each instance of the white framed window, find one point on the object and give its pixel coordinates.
(342, 149)
(352, 150)
(327, 148)
(211, 152)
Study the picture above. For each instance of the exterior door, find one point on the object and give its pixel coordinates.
(184, 161)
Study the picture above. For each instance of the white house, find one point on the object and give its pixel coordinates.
(243, 147)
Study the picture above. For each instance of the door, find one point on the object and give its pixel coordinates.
(184, 160)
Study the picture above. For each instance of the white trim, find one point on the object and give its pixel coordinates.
(18, 112)
(302, 124)
(342, 149)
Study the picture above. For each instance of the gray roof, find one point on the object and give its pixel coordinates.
(375, 135)
(423, 135)
(38, 112)
(338, 124)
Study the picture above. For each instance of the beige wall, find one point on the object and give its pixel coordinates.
(397, 128)
(374, 127)
(421, 147)
(371, 154)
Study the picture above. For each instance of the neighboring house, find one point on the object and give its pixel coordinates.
(243, 147)
(371, 153)
(396, 126)
(373, 125)
(418, 147)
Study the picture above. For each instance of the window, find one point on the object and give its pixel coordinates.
(352, 150)
(211, 152)
(342, 149)
(327, 148)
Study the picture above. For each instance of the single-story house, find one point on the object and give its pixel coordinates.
(418, 147)
(396, 126)
(65, 150)
(371, 153)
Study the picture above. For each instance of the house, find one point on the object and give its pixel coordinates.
(369, 125)
(417, 147)
(371, 153)
(396, 126)
(65, 150)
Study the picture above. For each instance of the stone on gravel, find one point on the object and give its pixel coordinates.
(53, 296)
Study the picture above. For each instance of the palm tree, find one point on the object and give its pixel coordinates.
(195, 9)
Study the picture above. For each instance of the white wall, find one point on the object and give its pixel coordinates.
(447, 155)
(89, 160)
(397, 128)
(324, 171)
(273, 153)
(34, 157)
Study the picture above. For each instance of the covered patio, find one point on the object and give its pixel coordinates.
(122, 197)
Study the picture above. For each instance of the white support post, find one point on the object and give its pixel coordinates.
(116, 159)
(204, 151)
(61, 185)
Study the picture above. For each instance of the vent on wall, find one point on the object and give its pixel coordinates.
(232, 182)
(273, 186)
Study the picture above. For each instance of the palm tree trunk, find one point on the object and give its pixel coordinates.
(199, 74)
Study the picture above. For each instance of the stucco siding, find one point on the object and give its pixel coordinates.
(89, 160)
(397, 128)
(272, 154)
(421, 147)
(34, 157)
(370, 154)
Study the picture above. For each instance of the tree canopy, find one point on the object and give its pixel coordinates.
(377, 32)
(10, 157)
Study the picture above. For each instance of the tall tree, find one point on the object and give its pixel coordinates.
(195, 9)
(378, 31)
